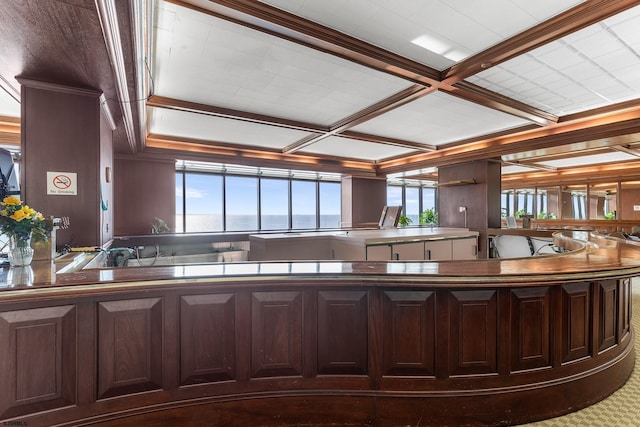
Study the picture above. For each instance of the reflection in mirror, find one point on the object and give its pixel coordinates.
(629, 204)
(603, 201)
(547, 203)
(507, 203)
(574, 202)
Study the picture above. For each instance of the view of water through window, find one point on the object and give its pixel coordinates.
(215, 202)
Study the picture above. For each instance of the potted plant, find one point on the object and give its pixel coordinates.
(429, 217)
(404, 220)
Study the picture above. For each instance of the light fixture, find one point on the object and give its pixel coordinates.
(436, 45)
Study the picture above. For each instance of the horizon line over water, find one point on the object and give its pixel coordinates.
(213, 222)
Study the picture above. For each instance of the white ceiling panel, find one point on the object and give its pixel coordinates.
(437, 119)
(594, 67)
(510, 169)
(590, 159)
(461, 28)
(215, 129)
(212, 61)
(355, 149)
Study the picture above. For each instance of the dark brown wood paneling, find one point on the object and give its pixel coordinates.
(38, 359)
(530, 328)
(152, 196)
(576, 330)
(409, 333)
(63, 131)
(625, 309)
(342, 332)
(362, 201)
(207, 338)
(129, 346)
(608, 316)
(474, 330)
(276, 334)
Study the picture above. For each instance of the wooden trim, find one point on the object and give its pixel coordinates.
(109, 22)
(228, 113)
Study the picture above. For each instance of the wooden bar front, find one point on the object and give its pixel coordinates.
(315, 343)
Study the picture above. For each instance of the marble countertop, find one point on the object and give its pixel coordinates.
(592, 256)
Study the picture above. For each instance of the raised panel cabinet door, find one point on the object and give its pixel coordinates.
(464, 248)
(343, 332)
(408, 251)
(207, 338)
(276, 334)
(129, 346)
(608, 316)
(576, 321)
(530, 328)
(38, 359)
(437, 250)
(474, 332)
(409, 333)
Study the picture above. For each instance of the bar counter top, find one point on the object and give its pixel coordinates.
(591, 256)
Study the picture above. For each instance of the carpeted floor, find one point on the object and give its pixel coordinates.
(622, 408)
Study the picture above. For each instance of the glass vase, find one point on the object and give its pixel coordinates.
(20, 250)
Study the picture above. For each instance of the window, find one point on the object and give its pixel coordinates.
(412, 204)
(179, 203)
(214, 197)
(303, 204)
(274, 204)
(203, 202)
(414, 199)
(507, 203)
(394, 195)
(241, 203)
(330, 205)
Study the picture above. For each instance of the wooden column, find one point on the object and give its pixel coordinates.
(145, 190)
(362, 201)
(68, 130)
(475, 186)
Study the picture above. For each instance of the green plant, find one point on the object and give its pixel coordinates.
(429, 217)
(610, 215)
(404, 220)
(159, 226)
(520, 213)
(546, 215)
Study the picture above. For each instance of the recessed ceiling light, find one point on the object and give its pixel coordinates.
(440, 47)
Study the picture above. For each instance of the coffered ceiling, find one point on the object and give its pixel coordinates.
(372, 87)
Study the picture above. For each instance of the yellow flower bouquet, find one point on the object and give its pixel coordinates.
(20, 223)
(20, 220)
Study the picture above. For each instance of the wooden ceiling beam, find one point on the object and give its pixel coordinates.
(228, 113)
(392, 102)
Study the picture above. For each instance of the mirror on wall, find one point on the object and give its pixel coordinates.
(603, 201)
(548, 203)
(573, 199)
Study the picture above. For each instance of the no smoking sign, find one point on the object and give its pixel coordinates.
(62, 183)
